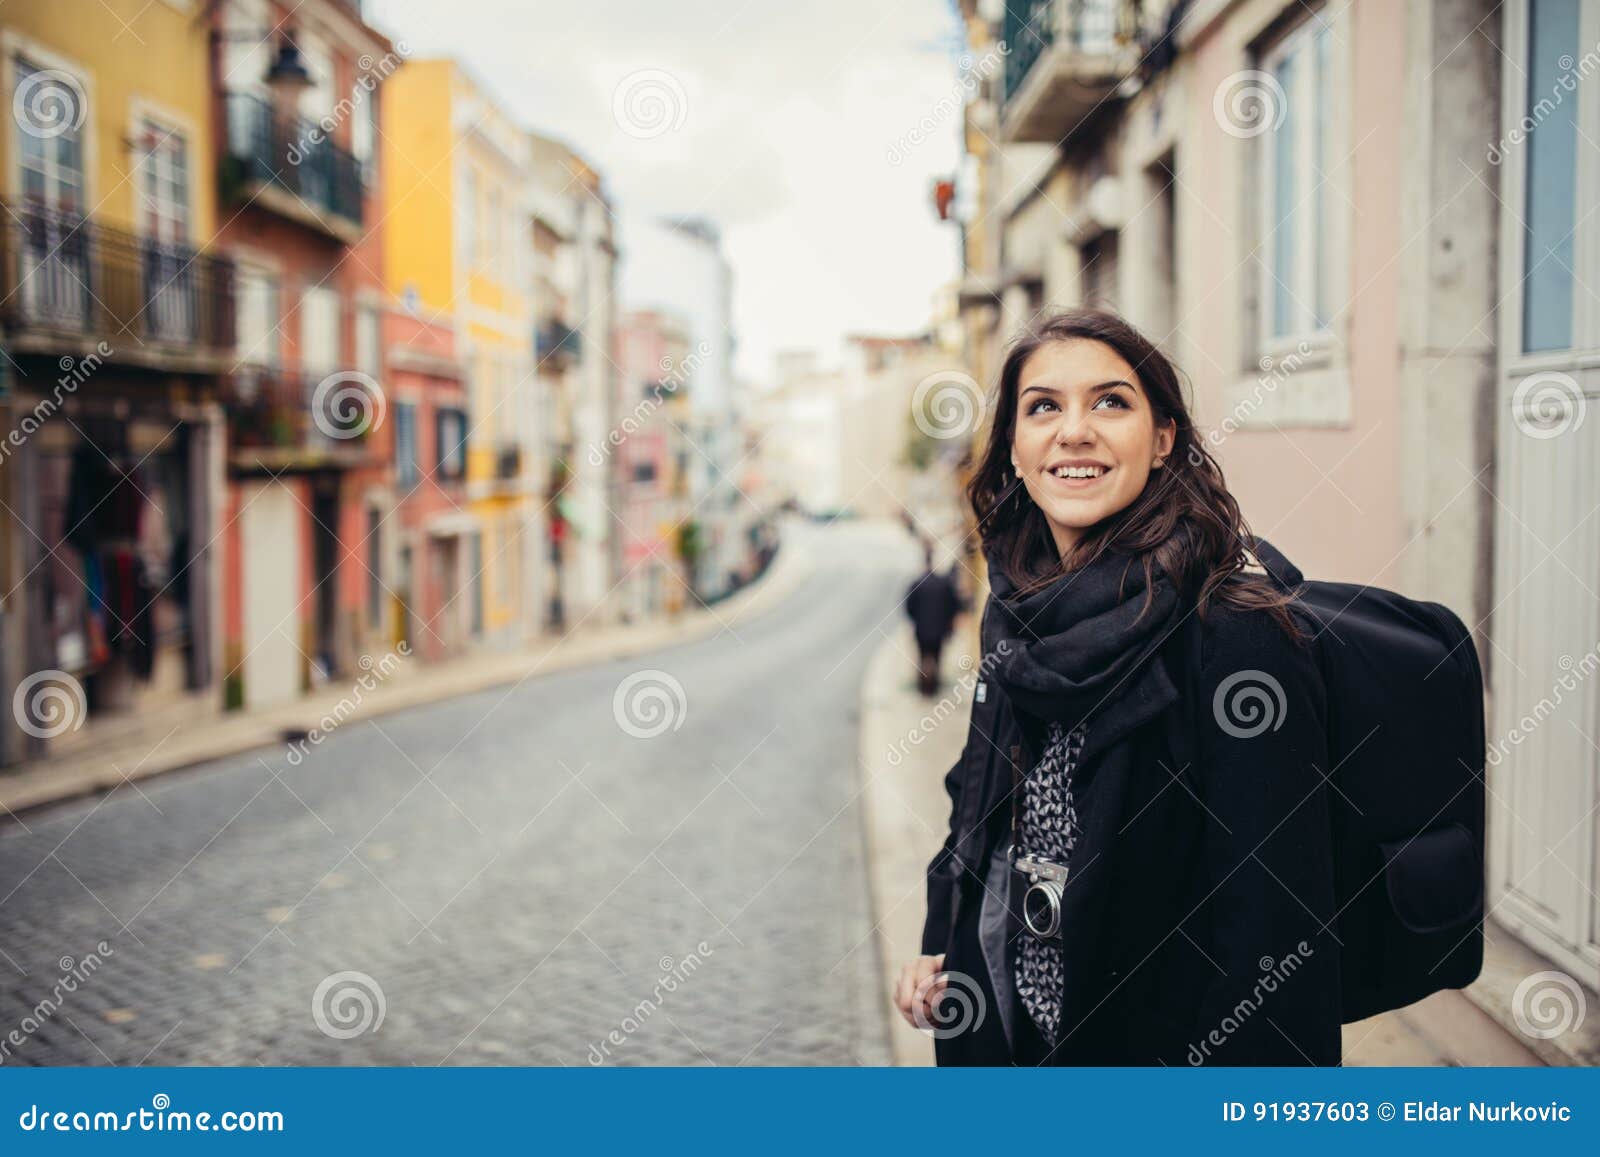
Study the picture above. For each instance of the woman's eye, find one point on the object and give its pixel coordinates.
(1116, 400)
(1034, 409)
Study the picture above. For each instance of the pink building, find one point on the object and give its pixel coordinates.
(646, 451)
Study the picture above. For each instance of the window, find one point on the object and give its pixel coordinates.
(468, 248)
(451, 429)
(476, 563)
(1296, 160)
(247, 46)
(319, 331)
(407, 471)
(494, 247)
(369, 341)
(55, 272)
(508, 574)
(1552, 178)
(364, 128)
(163, 170)
(161, 173)
(259, 338)
(52, 165)
(1099, 257)
(316, 100)
(374, 567)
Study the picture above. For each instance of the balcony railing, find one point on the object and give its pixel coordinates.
(557, 342)
(65, 278)
(1064, 57)
(282, 418)
(270, 156)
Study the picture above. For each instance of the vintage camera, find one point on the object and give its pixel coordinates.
(1041, 883)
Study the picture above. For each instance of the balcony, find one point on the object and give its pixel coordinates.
(557, 344)
(1066, 59)
(67, 281)
(288, 420)
(289, 165)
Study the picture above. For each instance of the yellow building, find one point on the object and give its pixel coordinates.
(136, 67)
(117, 325)
(457, 245)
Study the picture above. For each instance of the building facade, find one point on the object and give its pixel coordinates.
(1359, 228)
(461, 251)
(678, 265)
(650, 460)
(117, 325)
(295, 93)
(576, 317)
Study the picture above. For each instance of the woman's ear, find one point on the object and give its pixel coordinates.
(1166, 437)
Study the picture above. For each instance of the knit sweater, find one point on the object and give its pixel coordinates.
(1048, 830)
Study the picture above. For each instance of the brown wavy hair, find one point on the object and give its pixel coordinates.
(1185, 523)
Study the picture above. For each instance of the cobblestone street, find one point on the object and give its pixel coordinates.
(518, 874)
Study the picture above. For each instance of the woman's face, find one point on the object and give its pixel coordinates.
(1086, 437)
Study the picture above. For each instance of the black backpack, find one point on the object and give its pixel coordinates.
(1406, 792)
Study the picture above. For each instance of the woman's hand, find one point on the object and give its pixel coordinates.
(917, 991)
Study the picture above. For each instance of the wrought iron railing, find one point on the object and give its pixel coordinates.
(288, 410)
(1032, 26)
(64, 273)
(555, 339)
(291, 153)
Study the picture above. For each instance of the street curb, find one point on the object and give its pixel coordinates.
(44, 783)
(1507, 964)
(905, 809)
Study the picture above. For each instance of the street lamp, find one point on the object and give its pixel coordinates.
(288, 75)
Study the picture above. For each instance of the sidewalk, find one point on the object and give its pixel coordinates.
(907, 812)
(169, 742)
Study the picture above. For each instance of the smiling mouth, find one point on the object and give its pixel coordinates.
(1079, 476)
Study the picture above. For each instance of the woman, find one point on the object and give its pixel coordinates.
(1160, 888)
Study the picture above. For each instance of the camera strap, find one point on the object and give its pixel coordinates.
(1016, 795)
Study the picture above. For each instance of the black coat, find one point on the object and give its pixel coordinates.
(932, 603)
(1200, 904)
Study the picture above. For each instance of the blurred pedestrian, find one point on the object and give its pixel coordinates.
(932, 603)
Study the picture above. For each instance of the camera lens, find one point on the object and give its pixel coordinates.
(1041, 909)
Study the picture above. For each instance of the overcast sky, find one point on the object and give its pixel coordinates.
(777, 120)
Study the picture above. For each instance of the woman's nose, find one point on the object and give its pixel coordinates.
(1074, 428)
